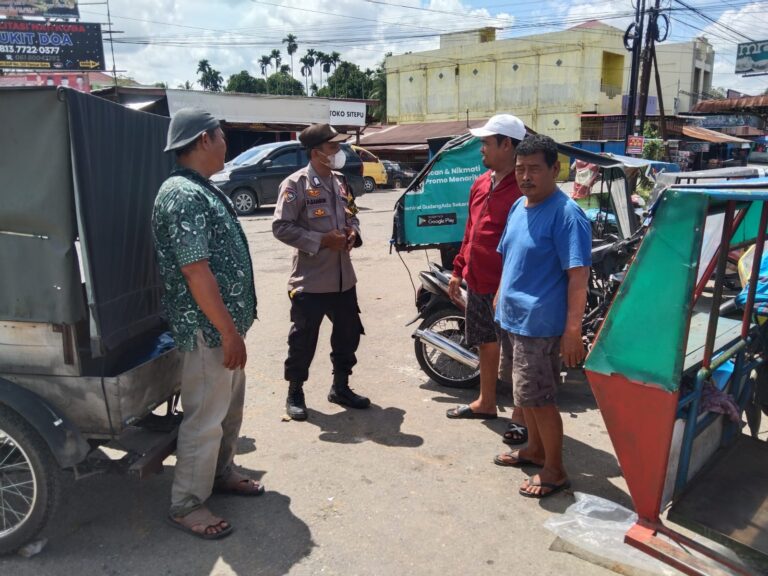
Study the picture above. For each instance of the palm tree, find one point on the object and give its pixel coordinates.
(327, 62)
(277, 57)
(320, 58)
(264, 63)
(312, 58)
(210, 79)
(306, 69)
(291, 46)
(335, 59)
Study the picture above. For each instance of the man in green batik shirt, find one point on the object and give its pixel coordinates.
(210, 302)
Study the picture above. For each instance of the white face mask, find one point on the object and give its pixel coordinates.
(337, 161)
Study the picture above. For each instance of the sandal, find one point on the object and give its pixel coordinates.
(236, 484)
(204, 518)
(516, 434)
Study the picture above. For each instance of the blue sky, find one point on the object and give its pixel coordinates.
(164, 39)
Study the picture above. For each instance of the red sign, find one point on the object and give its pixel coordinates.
(635, 144)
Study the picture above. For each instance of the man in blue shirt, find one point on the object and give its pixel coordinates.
(546, 251)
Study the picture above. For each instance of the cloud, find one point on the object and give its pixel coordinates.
(752, 21)
(233, 34)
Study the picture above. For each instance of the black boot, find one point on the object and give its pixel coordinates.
(294, 405)
(342, 394)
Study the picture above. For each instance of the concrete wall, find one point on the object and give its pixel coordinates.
(686, 70)
(547, 80)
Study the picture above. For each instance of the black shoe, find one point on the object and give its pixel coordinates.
(346, 397)
(294, 405)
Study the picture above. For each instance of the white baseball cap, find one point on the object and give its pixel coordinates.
(504, 124)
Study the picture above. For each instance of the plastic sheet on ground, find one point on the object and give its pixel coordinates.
(593, 529)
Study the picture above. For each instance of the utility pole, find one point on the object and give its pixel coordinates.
(633, 38)
(645, 58)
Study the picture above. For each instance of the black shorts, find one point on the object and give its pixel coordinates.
(479, 324)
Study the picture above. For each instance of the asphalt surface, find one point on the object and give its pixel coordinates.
(396, 489)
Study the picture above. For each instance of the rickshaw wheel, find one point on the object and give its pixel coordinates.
(444, 370)
(30, 482)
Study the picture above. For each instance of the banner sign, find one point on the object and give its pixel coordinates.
(60, 8)
(344, 113)
(436, 212)
(51, 46)
(635, 144)
(752, 58)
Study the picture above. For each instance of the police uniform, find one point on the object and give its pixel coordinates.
(322, 281)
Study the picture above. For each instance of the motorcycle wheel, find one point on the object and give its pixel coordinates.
(443, 369)
(30, 482)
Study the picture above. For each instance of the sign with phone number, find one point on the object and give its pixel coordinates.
(50, 46)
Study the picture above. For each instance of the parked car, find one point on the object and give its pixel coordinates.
(374, 173)
(252, 179)
(397, 176)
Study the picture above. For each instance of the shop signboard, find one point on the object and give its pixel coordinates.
(40, 8)
(752, 58)
(635, 144)
(38, 45)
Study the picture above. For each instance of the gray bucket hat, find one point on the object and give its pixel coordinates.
(186, 125)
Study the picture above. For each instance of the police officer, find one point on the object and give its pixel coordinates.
(316, 215)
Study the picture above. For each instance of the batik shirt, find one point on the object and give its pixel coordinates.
(193, 221)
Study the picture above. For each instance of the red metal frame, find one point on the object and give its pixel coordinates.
(711, 266)
(644, 537)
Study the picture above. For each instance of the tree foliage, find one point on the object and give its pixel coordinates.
(209, 78)
(348, 81)
(284, 84)
(244, 82)
(653, 148)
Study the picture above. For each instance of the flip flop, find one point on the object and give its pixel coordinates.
(203, 535)
(512, 429)
(499, 460)
(463, 411)
(553, 489)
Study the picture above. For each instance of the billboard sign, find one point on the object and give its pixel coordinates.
(26, 44)
(58, 8)
(752, 58)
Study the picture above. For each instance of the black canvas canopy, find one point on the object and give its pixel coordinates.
(79, 172)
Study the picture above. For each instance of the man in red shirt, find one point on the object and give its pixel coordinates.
(478, 262)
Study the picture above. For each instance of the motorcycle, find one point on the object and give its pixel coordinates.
(432, 214)
(439, 341)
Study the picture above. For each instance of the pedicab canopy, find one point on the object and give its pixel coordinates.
(653, 334)
(80, 175)
(433, 209)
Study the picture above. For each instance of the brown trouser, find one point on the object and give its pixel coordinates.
(212, 398)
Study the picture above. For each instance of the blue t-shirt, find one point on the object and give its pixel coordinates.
(538, 246)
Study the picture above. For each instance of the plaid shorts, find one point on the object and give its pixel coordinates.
(535, 368)
(479, 324)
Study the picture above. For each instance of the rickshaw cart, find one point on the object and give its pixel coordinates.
(83, 356)
(665, 362)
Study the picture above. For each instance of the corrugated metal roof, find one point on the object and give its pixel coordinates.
(731, 104)
(708, 135)
(409, 134)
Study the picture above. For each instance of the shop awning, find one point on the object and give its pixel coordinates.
(707, 135)
(417, 134)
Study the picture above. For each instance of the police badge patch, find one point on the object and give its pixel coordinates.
(319, 212)
(290, 195)
(313, 192)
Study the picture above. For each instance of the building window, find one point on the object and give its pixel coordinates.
(612, 74)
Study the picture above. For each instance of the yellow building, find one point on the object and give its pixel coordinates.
(547, 80)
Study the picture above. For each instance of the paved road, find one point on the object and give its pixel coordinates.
(397, 489)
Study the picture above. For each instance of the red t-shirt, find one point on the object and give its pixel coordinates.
(478, 262)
